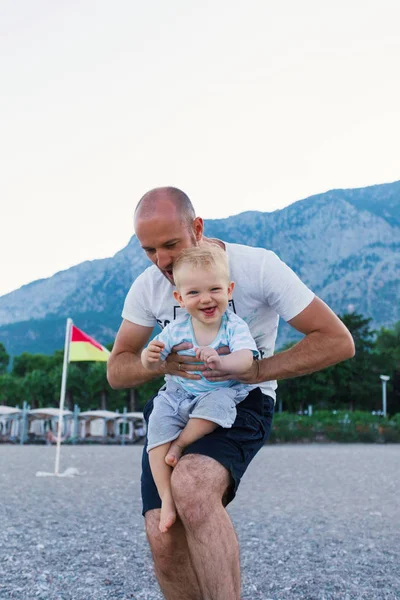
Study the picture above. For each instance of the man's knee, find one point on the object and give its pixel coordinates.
(198, 483)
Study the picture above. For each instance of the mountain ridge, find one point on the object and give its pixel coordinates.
(343, 243)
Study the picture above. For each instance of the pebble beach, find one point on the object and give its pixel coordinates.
(314, 522)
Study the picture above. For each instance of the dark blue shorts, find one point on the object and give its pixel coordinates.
(233, 448)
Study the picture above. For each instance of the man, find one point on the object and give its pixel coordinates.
(198, 558)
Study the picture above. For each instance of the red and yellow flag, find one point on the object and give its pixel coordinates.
(83, 347)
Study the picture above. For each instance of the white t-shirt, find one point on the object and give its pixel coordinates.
(265, 289)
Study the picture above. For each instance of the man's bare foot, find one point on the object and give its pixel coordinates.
(174, 454)
(168, 514)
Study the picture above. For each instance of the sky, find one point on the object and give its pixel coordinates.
(243, 105)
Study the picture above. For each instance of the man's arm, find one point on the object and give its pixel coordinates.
(124, 367)
(327, 341)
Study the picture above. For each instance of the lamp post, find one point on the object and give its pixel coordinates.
(384, 379)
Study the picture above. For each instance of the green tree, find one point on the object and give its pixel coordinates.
(76, 392)
(298, 393)
(76, 388)
(11, 390)
(26, 363)
(97, 384)
(4, 359)
(349, 384)
(388, 346)
(38, 390)
(387, 356)
(355, 380)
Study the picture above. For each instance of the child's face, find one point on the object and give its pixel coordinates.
(204, 293)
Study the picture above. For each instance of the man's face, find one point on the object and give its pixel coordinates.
(163, 236)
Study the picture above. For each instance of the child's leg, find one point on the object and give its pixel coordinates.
(194, 430)
(162, 477)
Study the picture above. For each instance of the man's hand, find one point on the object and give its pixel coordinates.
(181, 365)
(210, 357)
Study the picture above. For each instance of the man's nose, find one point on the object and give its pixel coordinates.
(163, 259)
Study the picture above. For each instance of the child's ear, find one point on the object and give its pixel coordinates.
(230, 290)
(178, 298)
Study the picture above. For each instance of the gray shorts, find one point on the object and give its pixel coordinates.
(174, 406)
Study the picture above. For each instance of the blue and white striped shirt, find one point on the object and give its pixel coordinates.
(233, 332)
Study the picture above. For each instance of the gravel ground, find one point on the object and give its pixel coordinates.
(316, 522)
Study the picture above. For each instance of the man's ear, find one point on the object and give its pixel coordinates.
(198, 228)
(230, 290)
(178, 298)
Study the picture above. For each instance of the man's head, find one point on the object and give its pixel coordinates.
(203, 285)
(166, 224)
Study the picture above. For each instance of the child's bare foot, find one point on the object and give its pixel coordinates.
(173, 455)
(168, 514)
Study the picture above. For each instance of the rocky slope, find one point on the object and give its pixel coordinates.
(344, 244)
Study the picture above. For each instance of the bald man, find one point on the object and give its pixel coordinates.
(198, 558)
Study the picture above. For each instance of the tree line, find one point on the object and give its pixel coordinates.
(353, 385)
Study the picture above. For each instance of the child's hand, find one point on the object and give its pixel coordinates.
(154, 350)
(151, 356)
(209, 356)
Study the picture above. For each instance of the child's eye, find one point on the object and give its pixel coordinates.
(216, 289)
(192, 293)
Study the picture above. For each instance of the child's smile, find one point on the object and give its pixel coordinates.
(204, 293)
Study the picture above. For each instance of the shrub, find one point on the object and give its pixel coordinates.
(335, 426)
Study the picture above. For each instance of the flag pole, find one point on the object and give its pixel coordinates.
(62, 393)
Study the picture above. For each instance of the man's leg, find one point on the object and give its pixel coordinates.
(172, 563)
(194, 430)
(198, 485)
(201, 506)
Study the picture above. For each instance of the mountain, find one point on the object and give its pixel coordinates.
(344, 244)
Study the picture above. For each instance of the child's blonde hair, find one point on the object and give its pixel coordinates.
(208, 256)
